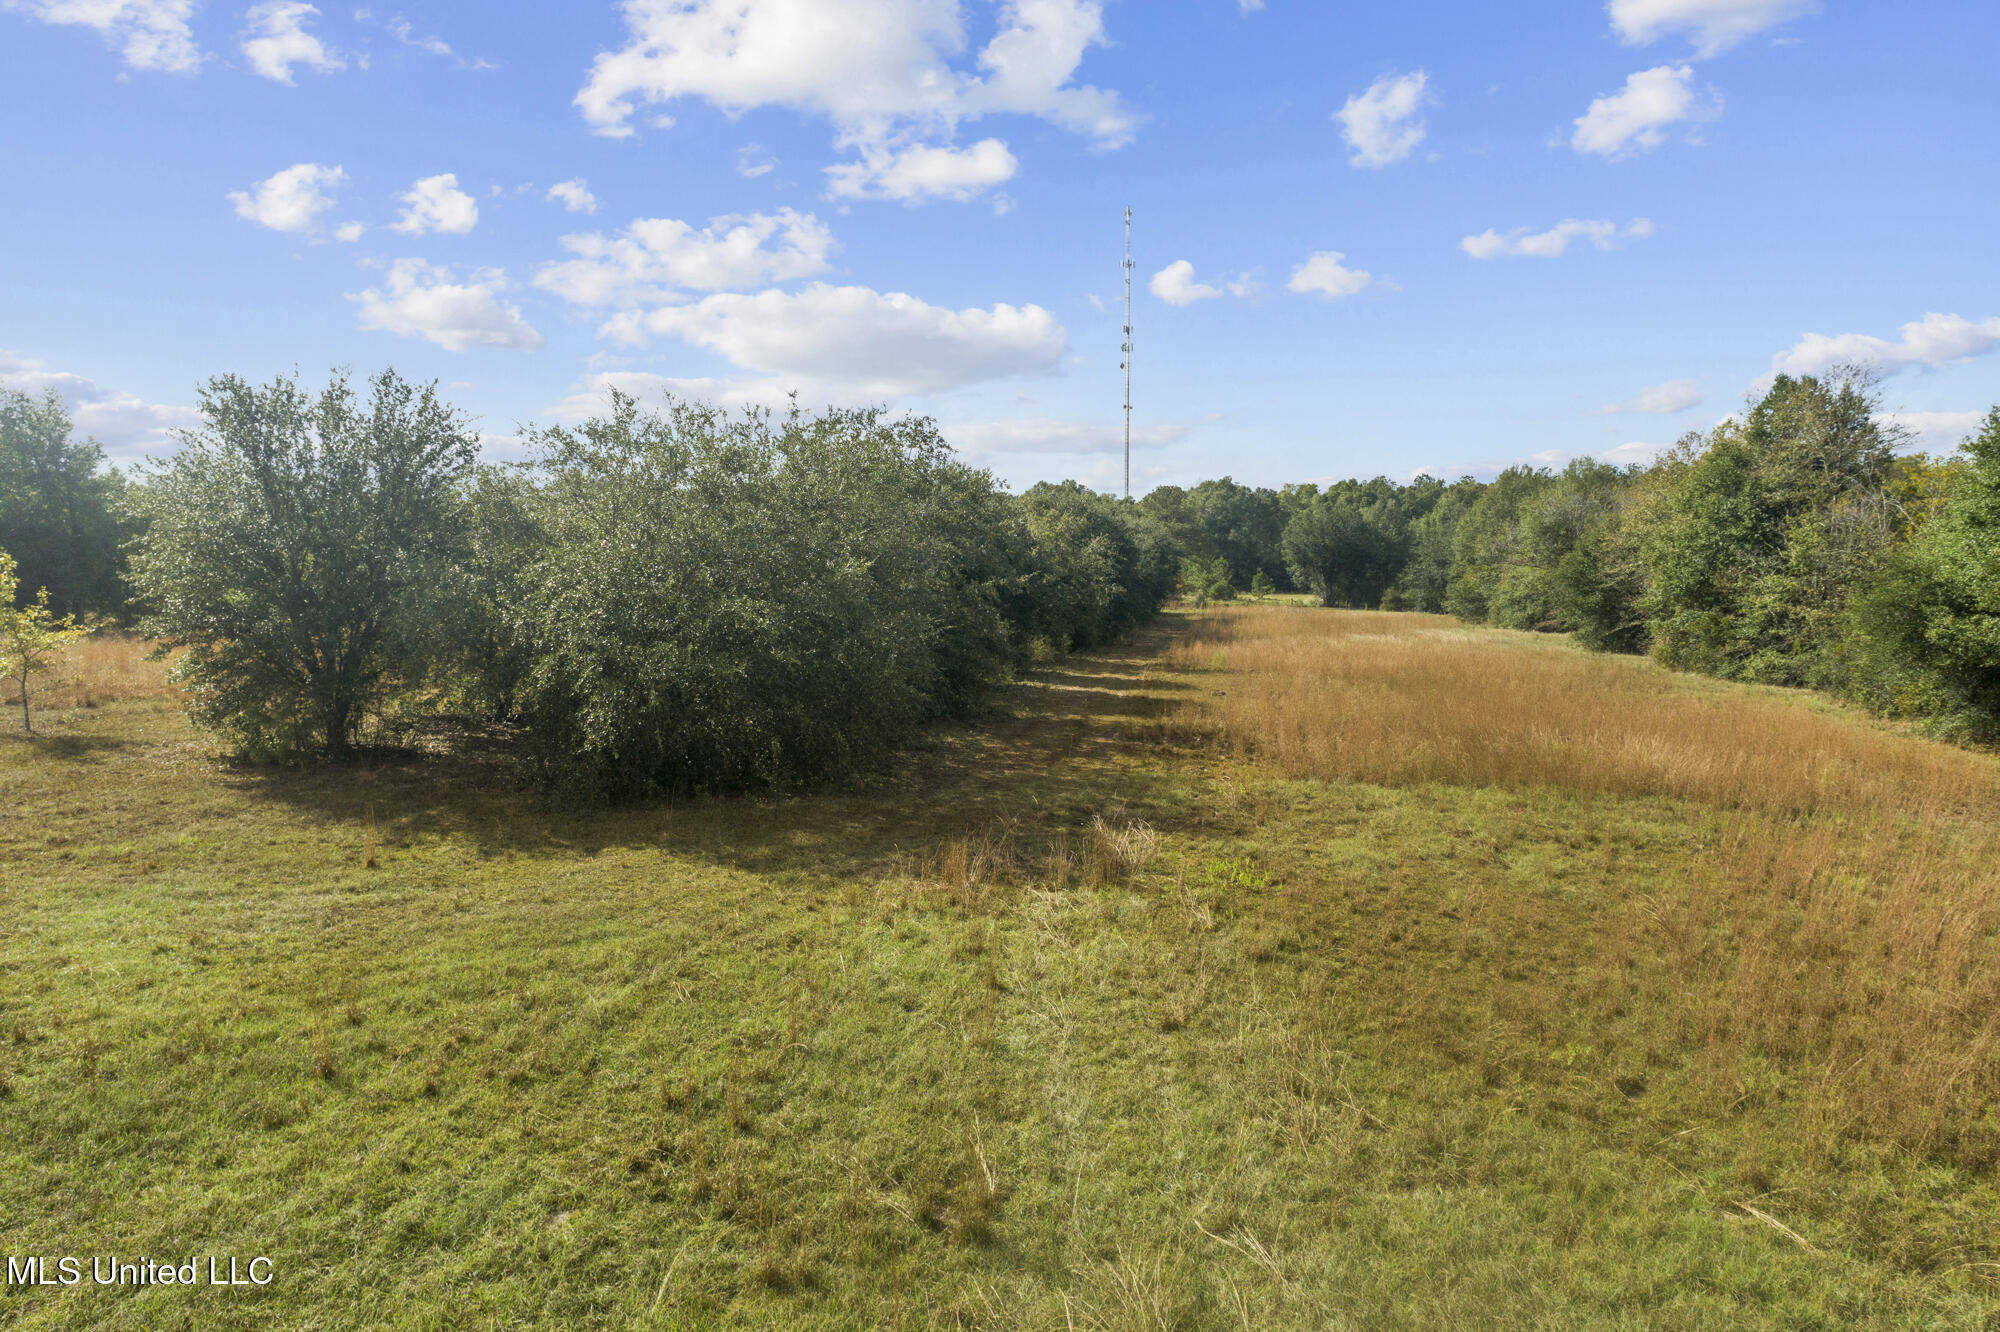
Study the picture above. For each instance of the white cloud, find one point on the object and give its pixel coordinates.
(1044, 435)
(884, 344)
(1323, 275)
(1175, 285)
(293, 199)
(147, 34)
(1552, 243)
(1249, 6)
(912, 175)
(276, 40)
(124, 423)
(881, 71)
(656, 257)
(1384, 124)
(435, 45)
(1635, 118)
(1676, 395)
(1936, 431)
(435, 203)
(348, 232)
(752, 161)
(1714, 24)
(574, 195)
(1934, 340)
(420, 300)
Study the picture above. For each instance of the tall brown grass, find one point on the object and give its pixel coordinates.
(103, 668)
(1400, 700)
(1839, 919)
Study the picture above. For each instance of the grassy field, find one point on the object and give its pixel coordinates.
(1285, 968)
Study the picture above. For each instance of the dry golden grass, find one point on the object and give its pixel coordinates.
(1401, 700)
(1841, 923)
(103, 668)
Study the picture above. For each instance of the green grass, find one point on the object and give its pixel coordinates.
(1330, 1056)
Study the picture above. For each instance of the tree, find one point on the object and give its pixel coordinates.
(1346, 552)
(1483, 549)
(57, 507)
(1763, 528)
(1426, 576)
(30, 635)
(1931, 620)
(299, 546)
(1244, 526)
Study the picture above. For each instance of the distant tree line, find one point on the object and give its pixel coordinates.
(688, 599)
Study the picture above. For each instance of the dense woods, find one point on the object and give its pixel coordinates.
(686, 599)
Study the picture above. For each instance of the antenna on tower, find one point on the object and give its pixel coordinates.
(1126, 364)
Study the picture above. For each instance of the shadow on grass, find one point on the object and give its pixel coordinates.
(72, 748)
(1054, 752)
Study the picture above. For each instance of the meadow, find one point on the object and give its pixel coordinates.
(1280, 968)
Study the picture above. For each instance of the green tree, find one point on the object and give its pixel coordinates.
(57, 506)
(1244, 526)
(301, 547)
(1426, 574)
(1762, 530)
(1931, 619)
(1345, 550)
(1483, 550)
(31, 635)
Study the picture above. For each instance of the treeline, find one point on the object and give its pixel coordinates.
(660, 602)
(1790, 545)
(687, 599)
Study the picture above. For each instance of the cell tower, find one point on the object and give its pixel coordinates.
(1126, 364)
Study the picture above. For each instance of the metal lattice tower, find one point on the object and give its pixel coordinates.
(1126, 348)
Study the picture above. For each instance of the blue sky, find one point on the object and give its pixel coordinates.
(1370, 238)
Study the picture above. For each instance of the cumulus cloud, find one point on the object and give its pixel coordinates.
(1175, 285)
(1323, 275)
(916, 174)
(276, 39)
(1385, 124)
(656, 257)
(1551, 244)
(421, 300)
(574, 195)
(1934, 340)
(752, 161)
(1714, 25)
(292, 199)
(147, 34)
(886, 345)
(889, 74)
(1045, 435)
(1676, 395)
(1635, 118)
(124, 423)
(435, 203)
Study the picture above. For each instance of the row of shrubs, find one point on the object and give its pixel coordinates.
(659, 602)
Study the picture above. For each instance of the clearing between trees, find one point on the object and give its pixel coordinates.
(1283, 967)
